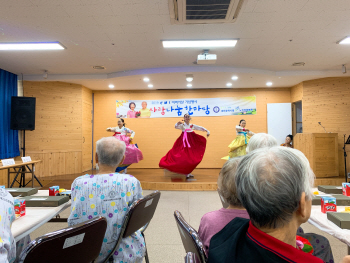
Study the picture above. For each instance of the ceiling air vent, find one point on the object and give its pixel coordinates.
(204, 11)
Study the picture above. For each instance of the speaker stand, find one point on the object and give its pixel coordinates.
(22, 170)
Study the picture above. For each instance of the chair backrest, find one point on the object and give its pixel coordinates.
(190, 238)
(190, 258)
(223, 201)
(138, 217)
(79, 243)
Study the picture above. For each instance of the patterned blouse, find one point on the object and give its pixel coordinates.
(108, 195)
(7, 216)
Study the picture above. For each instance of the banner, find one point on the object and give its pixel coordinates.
(179, 107)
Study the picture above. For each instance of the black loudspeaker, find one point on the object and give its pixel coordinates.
(23, 113)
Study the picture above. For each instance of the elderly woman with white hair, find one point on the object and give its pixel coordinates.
(274, 185)
(261, 140)
(212, 222)
(108, 194)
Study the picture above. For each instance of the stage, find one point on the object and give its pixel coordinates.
(156, 179)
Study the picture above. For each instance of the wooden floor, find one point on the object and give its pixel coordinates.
(159, 179)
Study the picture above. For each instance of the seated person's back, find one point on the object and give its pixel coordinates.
(213, 222)
(274, 185)
(7, 216)
(108, 194)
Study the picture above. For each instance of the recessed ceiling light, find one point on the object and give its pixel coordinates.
(189, 85)
(344, 41)
(298, 64)
(111, 86)
(199, 43)
(234, 78)
(32, 46)
(98, 67)
(228, 84)
(269, 83)
(146, 79)
(189, 77)
(150, 85)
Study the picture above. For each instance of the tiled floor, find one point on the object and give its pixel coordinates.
(162, 237)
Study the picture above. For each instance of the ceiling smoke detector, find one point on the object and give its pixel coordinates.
(98, 67)
(298, 64)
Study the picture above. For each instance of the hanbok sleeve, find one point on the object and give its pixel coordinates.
(113, 129)
(239, 128)
(200, 128)
(178, 126)
(130, 131)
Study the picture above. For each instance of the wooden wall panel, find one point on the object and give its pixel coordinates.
(58, 123)
(58, 135)
(57, 163)
(157, 135)
(87, 128)
(328, 101)
(296, 92)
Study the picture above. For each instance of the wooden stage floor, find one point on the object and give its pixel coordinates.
(157, 179)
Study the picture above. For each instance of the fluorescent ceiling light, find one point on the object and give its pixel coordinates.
(234, 78)
(199, 43)
(228, 84)
(189, 85)
(150, 85)
(269, 83)
(146, 79)
(344, 41)
(111, 86)
(32, 46)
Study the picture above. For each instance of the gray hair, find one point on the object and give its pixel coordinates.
(226, 182)
(270, 182)
(110, 151)
(261, 140)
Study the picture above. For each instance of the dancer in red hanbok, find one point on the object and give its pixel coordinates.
(188, 149)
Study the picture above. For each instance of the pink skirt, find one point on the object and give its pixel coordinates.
(132, 153)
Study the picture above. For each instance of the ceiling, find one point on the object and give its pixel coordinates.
(124, 36)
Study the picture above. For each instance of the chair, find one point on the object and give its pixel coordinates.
(223, 201)
(190, 238)
(66, 245)
(190, 258)
(138, 218)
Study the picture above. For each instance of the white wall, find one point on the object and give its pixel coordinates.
(279, 120)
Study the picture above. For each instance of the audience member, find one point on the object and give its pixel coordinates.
(7, 216)
(261, 140)
(288, 142)
(320, 244)
(212, 222)
(108, 194)
(274, 185)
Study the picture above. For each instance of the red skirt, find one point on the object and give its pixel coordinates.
(183, 159)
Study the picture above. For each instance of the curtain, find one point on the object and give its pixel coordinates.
(9, 146)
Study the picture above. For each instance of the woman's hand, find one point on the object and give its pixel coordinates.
(130, 139)
(180, 123)
(108, 129)
(208, 134)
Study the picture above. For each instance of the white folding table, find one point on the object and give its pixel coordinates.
(35, 217)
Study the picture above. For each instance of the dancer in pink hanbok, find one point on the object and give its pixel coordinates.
(132, 152)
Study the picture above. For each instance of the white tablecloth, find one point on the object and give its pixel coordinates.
(319, 220)
(35, 217)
